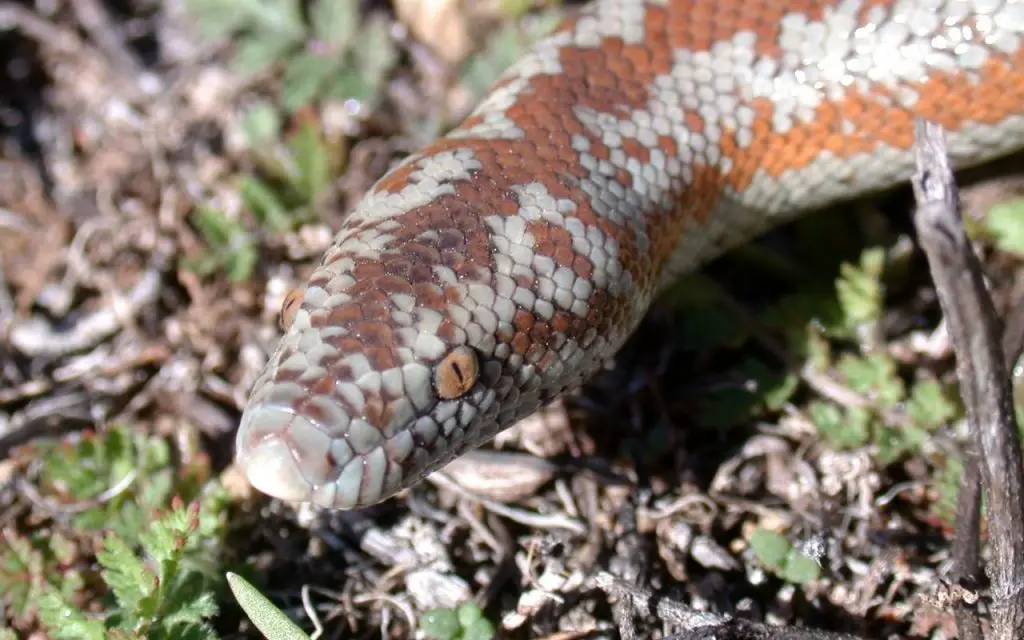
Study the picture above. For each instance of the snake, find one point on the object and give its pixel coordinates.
(508, 260)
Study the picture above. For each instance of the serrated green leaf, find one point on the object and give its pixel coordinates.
(770, 547)
(929, 406)
(843, 429)
(1005, 223)
(66, 622)
(859, 288)
(875, 376)
(335, 22)
(894, 442)
(190, 613)
(124, 573)
(271, 621)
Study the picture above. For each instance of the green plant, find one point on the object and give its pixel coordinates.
(506, 46)
(783, 559)
(156, 570)
(290, 180)
(332, 55)
(467, 622)
(1004, 224)
(229, 246)
(291, 176)
(155, 596)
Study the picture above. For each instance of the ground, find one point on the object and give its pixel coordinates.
(781, 441)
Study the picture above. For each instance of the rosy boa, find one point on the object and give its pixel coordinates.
(508, 261)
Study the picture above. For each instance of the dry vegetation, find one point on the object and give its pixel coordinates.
(782, 442)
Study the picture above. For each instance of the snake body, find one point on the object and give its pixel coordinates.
(508, 260)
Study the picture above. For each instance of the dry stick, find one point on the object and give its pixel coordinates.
(967, 546)
(984, 382)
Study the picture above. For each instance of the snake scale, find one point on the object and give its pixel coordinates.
(507, 261)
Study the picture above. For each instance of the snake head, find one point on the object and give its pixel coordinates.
(410, 346)
(374, 385)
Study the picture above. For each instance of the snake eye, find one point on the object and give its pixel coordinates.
(290, 307)
(456, 373)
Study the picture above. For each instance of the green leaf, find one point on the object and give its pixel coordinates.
(230, 249)
(264, 204)
(770, 547)
(66, 622)
(335, 22)
(440, 624)
(22, 567)
(844, 429)
(893, 442)
(929, 406)
(214, 226)
(374, 52)
(271, 621)
(773, 386)
(468, 613)
(481, 629)
(312, 159)
(874, 376)
(1005, 223)
(127, 577)
(276, 17)
(859, 288)
(254, 56)
(352, 85)
(241, 263)
(305, 77)
(799, 568)
(215, 18)
(262, 125)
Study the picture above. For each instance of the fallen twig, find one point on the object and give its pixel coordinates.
(976, 334)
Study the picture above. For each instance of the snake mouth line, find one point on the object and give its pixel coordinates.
(281, 453)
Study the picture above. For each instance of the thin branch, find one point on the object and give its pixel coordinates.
(976, 334)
